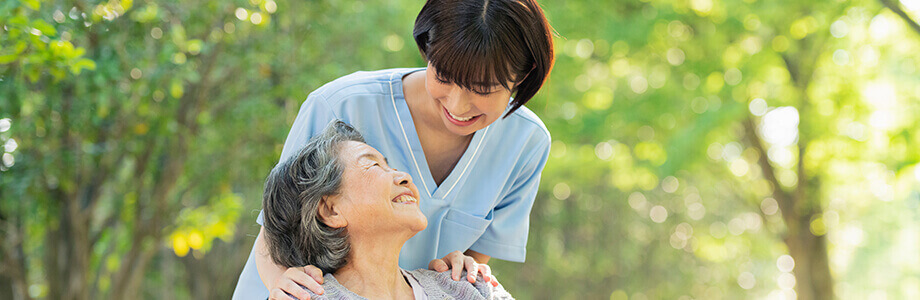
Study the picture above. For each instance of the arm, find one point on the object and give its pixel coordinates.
(268, 270)
(281, 282)
(479, 257)
(285, 283)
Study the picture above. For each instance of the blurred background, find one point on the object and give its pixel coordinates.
(703, 149)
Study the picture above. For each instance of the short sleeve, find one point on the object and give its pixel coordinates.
(506, 236)
(315, 113)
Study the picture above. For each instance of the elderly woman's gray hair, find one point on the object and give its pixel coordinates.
(295, 234)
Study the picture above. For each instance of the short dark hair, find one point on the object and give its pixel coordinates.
(473, 43)
(295, 234)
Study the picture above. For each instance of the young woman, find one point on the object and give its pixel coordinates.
(475, 151)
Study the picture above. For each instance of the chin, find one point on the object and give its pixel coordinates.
(462, 131)
(421, 224)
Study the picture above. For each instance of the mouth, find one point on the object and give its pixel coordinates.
(460, 121)
(405, 199)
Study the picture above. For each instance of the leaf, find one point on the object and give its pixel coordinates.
(5, 59)
(58, 73)
(180, 244)
(33, 4)
(176, 90)
(20, 46)
(82, 64)
(62, 49)
(44, 27)
(33, 74)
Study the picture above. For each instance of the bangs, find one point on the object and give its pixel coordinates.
(478, 60)
(481, 45)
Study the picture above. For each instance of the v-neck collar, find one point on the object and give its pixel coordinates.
(410, 137)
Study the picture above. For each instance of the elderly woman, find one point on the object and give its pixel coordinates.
(337, 205)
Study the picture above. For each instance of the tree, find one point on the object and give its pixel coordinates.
(672, 110)
(702, 149)
(103, 166)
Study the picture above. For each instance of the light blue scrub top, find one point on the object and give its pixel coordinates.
(483, 205)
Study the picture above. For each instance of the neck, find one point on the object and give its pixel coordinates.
(373, 268)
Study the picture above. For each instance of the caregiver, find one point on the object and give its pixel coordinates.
(476, 152)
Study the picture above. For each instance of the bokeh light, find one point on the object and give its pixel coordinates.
(655, 186)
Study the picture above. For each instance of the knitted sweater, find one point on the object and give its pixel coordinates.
(437, 286)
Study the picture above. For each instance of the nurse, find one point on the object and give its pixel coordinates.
(476, 152)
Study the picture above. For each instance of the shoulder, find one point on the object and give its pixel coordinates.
(441, 284)
(521, 133)
(524, 122)
(368, 83)
(334, 290)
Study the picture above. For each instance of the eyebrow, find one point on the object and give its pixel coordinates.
(373, 156)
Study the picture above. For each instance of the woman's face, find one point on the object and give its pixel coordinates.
(464, 111)
(375, 198)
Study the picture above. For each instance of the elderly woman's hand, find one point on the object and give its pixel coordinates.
(457, 262)
(294, 282)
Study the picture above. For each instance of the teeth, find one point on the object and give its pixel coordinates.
(459, 118)
(406, 199)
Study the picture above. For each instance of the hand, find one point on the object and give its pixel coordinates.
(294, 282)
(457, 262)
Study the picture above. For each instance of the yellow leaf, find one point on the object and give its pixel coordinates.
(195, 240)
(176, 90)
(33, 4)
(180, 245)
(5, 59)
(62, 48)
(141, 129)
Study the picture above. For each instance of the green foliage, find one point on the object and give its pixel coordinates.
(34, 46)
(136, 136)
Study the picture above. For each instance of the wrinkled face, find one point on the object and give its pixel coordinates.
(374, 197)
(464, 111)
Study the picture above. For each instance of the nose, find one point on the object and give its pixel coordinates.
(402, 178)
(456, 100)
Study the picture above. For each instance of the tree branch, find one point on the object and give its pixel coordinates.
(783, 198)
(896, 8)
(12, 258)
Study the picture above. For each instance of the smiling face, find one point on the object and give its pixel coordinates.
(465, 111)
(375, 198)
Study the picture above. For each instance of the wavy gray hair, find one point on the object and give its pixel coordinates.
(295, 234)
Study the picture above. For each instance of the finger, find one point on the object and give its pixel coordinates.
(471, 269)
(294, 290)
(278, 294)
(314, 272)
(304, 280)
(493, 281)
(486, 272)
(456, 266)
(438, 265)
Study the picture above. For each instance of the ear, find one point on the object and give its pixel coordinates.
(329, 214)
